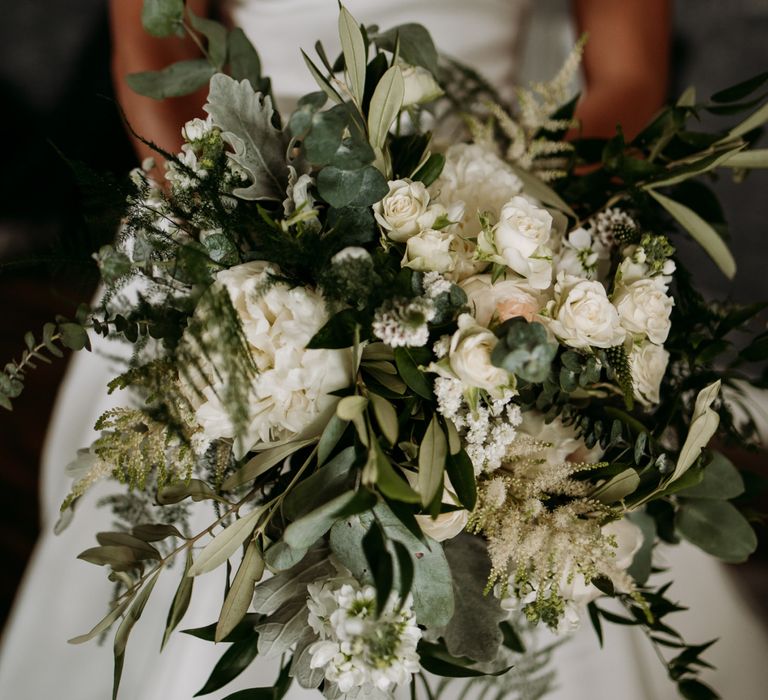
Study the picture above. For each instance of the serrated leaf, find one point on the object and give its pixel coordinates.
(180, 602)
(240, 593)
(162, 17)
(718, 528)
(263, 462)
(178, 79)
(386, 103)
(225, 544)
(124, 631)
(386, 417)
(701, 231)
(353, 47)
(245, 118)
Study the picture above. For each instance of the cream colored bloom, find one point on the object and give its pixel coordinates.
(429, 250)
(644, 309)
(500, 300)
(400, 211)
(648, 363)
(420, 86)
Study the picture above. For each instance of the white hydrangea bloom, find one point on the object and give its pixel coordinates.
(357, 650)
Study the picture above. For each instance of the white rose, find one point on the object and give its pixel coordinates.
(582, 316)
(519, 241)
(429, 250)
(629, 539)
(469, 356)
(465, 264)
(648, 363)
(290, 393)
(399, 212)
(644, 308)
(477, 177)
(501, 300)
(420, 86)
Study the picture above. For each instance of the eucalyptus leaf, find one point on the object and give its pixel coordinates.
(718, 528)
(245, 118)
(178, 79)
(640, 569)
(226, 543)
(721, 481)
(415, 45)
(432, 454)
(216, 35)
(701, 231)
(281, 556)
(163, 17)
(244, 62)
(239, 596)
(361, 187)
(281, 630)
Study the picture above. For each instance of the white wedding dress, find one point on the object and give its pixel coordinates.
(62, 597)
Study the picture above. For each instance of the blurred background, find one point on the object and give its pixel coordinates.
(57, 99)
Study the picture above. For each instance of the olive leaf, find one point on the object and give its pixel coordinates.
(432, 453)
(238, 598)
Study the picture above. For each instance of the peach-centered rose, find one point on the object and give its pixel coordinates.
(517, 306)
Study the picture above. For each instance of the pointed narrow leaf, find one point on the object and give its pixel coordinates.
(194, 488)
(386, 103)
(353, 47)
(225, 544)
(379, 564)
(535, 187)
(232, 663)
(387, 479)
(330, 438)
(240, 592)
(263, 462)
(461, 472)
(701, 231)
(386, 417)
(306, 531)
(180, 601)
(757, 158)
(104, 624)
(321, 80)
(432, 453)
(350, 407)
(754, 121)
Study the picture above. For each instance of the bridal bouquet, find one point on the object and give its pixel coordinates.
(431, 397)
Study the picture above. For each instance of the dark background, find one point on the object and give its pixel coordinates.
(55, 91)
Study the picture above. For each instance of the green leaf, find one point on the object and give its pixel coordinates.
(701, 231)
(304, 532)
(281, 630)
(245, 118)
(435, 659)
(238, 598)
(416, 45)
(432, 453)
(124, 631)
(180, 602)
(386, 417)
(194, 488)
(337, 333)
(474, 629)
(252, 694)
(757, 158)
(244, 630)
(232, 663)
(216, 35)
(154, 532)
(754, 121)
(640, 569)
(262, 463)
(618, 487)
(461, 472)
(704, 423)
(353, 47)
(416, 380)
(281, 556)
(351, 407)
(740, 90)
(102, 625)
(361, 187)
(321, 80)
(405, 568)
(330, 438)
(386, 103)
(74, 336)
(693, 689)
(379, 564)
(123, 539)
(430, 171)
(718, 528)
(225, 544)
(722, 481)
(244, 62)
(118, 557)
(178, 79)
(389, 482)
(699, 167)
(163, 17)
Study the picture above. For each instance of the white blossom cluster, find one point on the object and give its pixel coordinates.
(356, 649)
(403, 323)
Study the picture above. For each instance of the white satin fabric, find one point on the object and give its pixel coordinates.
(62, 597)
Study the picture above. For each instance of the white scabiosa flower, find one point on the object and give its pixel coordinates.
(356, 649)
(403, 322)
(582, 316)
(401, 213)
(290, 393)
(644, 308)
(480, 179)
(648, 363)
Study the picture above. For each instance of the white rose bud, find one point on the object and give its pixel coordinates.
(445, 526)
(469, 356)
(644, 308)
(399, 212)
(583, 316)
(648, 363)
(420, 86)
(429, 251)
(519, 241)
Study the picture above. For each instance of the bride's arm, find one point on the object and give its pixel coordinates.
(133, 51)
(625, 63)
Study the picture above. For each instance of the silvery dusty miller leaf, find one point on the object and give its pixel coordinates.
(245, 118)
